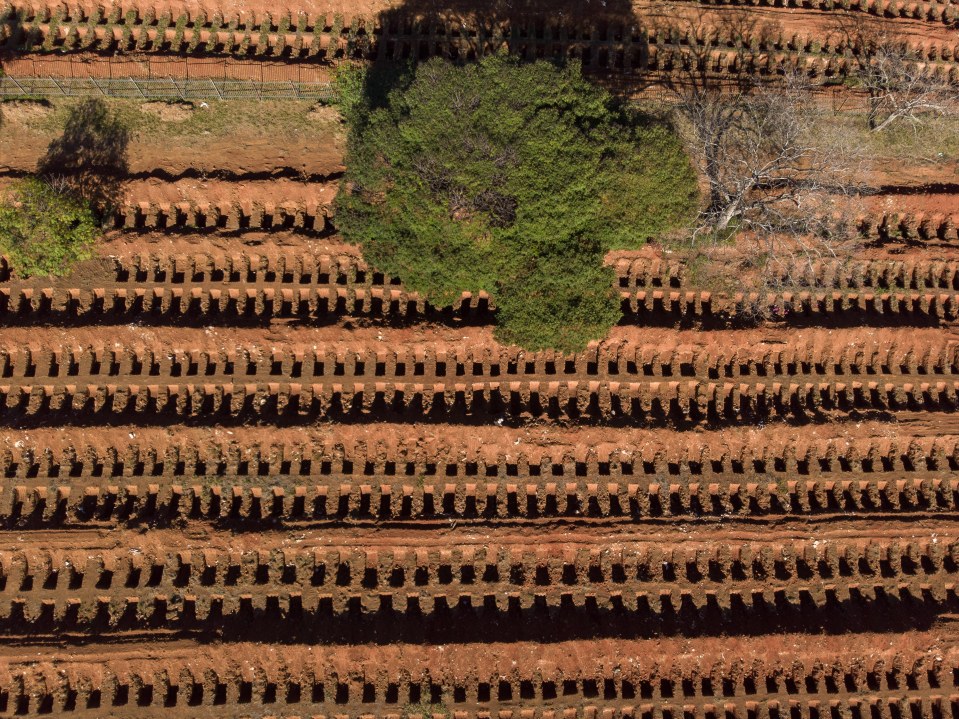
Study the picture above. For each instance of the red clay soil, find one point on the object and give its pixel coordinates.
(126, 244)
(276, 191)
(826, 28)
(198, 191)
(385, 440)
(416, 561)
(754, 672)
(146, 66)
(156, 66)
(190, 559)
(793, 20)
(918, 172)
(805, 23)
(573, 659)
(664, 342)
(690, 536)
(240, 155)
(346, 8)
(797, 374)
(931, 203)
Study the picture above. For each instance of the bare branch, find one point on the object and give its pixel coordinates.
(776, 179)
(901, 87)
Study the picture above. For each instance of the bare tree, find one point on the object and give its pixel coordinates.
(901, 88)
(776, 176)
(764, 160)
(764, 156)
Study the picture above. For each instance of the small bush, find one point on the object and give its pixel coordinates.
(198, 22)
(178, 31)
(43, 231)
(513, 178)
(349, 79)
(162, 24)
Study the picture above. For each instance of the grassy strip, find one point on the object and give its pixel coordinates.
(280, 119)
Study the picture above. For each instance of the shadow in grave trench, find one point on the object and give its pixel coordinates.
(599, 33)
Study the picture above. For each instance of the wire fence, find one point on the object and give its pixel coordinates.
(149, 67)
(173, 88)
(164, 88)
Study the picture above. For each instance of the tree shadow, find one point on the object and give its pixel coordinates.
(606, 37)
(727, 55)
(603, 35)
(12, 30)
(625, 50)
(509, 20)
(90, 159)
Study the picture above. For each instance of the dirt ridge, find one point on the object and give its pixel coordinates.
(144, 216)
(565, 680)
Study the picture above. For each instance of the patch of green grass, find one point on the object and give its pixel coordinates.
(707, 273)
(426, 710)
(281, 119)
(935, 139)
(513, 178)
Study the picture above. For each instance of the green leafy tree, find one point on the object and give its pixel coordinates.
(513, 178)
(43, 231)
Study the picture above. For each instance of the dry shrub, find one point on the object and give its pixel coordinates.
(782, 186)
